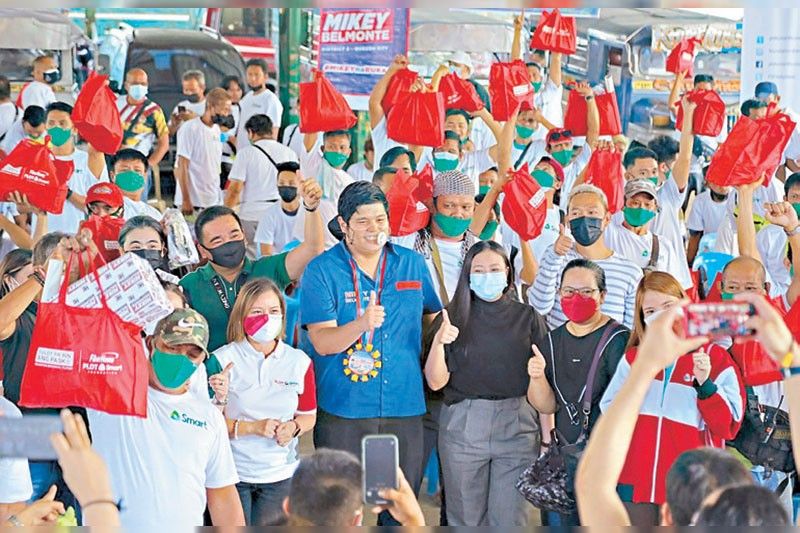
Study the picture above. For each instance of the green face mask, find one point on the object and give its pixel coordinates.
(444, 161)
(653, 180)
(335, 159)
(172, 370)
(727, 296)
(563, 157)
(59, 136)
(638, 216)
(536, 85)
(797, 208)
(488, 230)
(543, 178)
(129, 181)
(524, 132)
(452, 226)
(483, 189)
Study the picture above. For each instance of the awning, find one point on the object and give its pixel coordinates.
(445, 30)
(44, 29)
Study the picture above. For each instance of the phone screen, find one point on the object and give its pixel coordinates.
(181, 109)
(29, 437)
(718, 319)
(380, 463)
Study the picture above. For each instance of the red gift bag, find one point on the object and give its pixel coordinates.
(575, 117)
(682, 56)
(85, 357)
(524, 205)
(555, 33)
(709, 116)
(323, 108)
(424, 189)
(459, 94)
(509, 87)
(96, 117)
(792, 320)
(32, 169)
(756, 365)
(753, 147)
(406, 214)
(604, 171)
(105, 234)
(417, 119)
(401, 82)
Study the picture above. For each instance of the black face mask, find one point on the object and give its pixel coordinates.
(51, 76)
(193, 98)
(287, 193)
(228, 255)
(225, 121)
(717, 197)
(154, 257)
(586, 230)
(255, 88)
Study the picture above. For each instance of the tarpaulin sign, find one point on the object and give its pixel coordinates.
(357, 45)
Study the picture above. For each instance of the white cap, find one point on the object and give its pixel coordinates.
(462, 58)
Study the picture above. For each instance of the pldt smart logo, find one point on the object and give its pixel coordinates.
(184, 418)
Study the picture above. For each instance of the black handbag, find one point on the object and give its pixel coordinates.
(549, 483)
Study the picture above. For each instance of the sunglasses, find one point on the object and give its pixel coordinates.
(566, 134)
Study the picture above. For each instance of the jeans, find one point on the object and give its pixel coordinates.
(45, 474)
(263, 502)
(772, 480)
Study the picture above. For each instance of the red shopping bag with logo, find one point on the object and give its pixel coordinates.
(509, 87)
(417, 119)
(524, 205)
(96, 117)
(604, 171)
(85, 357)
(32, 169)
(681, 58)
(323, 108)
(401, 82)
(555, 32)
(407, 214)
(575, 117)
(105, 234)
(459, 94)
(709, 116)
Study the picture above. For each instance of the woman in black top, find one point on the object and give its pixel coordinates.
(479, 356)
(559, 369)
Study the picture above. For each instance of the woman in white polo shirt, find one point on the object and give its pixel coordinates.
(271, 400)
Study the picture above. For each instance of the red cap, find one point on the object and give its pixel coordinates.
(561, 133)
(105, 192)
(556, 166)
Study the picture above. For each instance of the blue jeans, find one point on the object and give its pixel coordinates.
(263, 502)
(45, 474)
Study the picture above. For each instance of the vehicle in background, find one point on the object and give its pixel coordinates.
(253, 31)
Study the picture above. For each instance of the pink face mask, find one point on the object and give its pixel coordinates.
(263, 328)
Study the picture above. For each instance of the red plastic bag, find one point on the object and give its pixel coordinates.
(417, 119)
(756, 365)
(681, 58)
(105, 234)
(753, 148)
(575, 117)
(32, 170)
(792, 320)
(96, 117)
(424, 189)
(401, 82)
(709, 116)
(525, 205)
(555, 33)
(459, 94)
(509, 87)
(85, 357)
(407, 215)
(604, 171)
(323, 107)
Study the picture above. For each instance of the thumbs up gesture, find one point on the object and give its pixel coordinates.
(564, 243)
(220, 383)
(374, 315)
(536, 364)
(702, 366)
(447, 332)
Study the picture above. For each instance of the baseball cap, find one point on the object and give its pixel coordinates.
(766, 88)
(556, 166)
(462, 58)
(105, 192)
(634, 187)
(703, 78)
(184, 326)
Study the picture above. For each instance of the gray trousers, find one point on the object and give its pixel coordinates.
(484, 446)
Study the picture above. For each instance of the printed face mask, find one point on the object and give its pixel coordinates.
(172, 370)
(129, 181)
(263, 328)
(488, 286)
(452, 226)
(228, 255)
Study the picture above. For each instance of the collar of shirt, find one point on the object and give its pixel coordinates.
(207, 271)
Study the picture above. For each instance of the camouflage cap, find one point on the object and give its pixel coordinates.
(184, 326)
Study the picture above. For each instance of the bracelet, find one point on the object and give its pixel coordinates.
(38, 278)
(221, 403)
(308, 209)
(788, 358)
(791, 371)
(98, 502)
(297, 431)
(236, 429)
(792, 233)
(69, 193)
(588, 97)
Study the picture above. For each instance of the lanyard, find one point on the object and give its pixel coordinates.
(354, 268)
(437, 266)
(223, 297)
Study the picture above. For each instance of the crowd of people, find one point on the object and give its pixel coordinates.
(473, 345)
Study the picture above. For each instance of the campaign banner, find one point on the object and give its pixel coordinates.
(357, 45)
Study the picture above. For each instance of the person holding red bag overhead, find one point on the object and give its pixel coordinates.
(767, 92)
(377, 114)
(325, 161)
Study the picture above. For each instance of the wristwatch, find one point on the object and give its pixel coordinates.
(222, 402)
(589, 97)
(795, 231)
(309, 209)
(297, 431)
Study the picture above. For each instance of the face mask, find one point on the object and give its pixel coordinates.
(59, 136)
(155, 258)
(483, 189)
(488, 286)
(727, 295)
(796, 208)
(719, 198)
(255, 88)
(263, 328)
(228, 255)
(335, 159)
(536, 86)
(586, 230)
(287, 193)
(452, 226)
(543, 178)
(137, 92)
(488, 230)
(524, 132)
(638, 216)
(129, 181)
(226, 121)
(51, 76)
(444, 161)
(172, 370)
(563, 157)
(649, 319)
(578, 308)
(653, 180)
(193, 98)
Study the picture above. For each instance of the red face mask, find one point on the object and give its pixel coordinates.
(578, 308)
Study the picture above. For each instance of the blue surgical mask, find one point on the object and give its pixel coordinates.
(488, 286)
(137, 92)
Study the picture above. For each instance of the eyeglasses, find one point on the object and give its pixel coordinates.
(568, 292)
(556, 135)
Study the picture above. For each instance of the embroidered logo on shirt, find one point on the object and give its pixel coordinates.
(186, 419)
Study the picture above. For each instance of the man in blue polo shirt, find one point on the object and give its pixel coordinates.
(363, 304)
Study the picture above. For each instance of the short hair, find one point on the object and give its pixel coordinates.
(129, 154)
(539, 51)
(259, 125)
(749, 105)
(41, 58)
(209, 214)
(744, 505)
(196, 75)
(45, 246)
(458, 113)
(357, 194)
(533, 64)
(791, 182)
(59, 106)
(326, 489)
(666, 148)
(288, 166)
(142, 221)
(369, 146)
(217, 96)
(377, 176)
(452, 136)
(746, 259)
(226, 82)
(257, 62)
(336, 133)
(599, 273)
(34, 115)
(5, 88)
(391, 154)
(637, 153)
(588, 189)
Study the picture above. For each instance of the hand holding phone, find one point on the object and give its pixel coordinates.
(718, 319)
(380, 461)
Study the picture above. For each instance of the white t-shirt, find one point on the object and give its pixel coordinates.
(549, 101)
(161, 465)
(15, 478)
(37, 93)
(200, 145)
(571, 173)
(259, 176)
(251, 104)
(198, 108)
(360, 172)
(80, 182)
(727, 242)
(532, 155)
(8, 115)
(7, 210)
(771, 242)
(13, 137)
(539, 245)
(449, 253)
(132, 209)
(293, 139)
(480, 135)
(667, 222)
(279, 229)
(262, 388)
(332, 180)
(471, 164)
(706, 214)
(382, 142)
(227, 152)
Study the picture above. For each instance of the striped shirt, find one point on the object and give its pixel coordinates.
(622, 280)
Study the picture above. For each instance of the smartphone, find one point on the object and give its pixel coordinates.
(181, 109)
(380, 460)
(29, 437)
(718, 319)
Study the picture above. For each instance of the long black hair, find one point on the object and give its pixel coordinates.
(13, 262)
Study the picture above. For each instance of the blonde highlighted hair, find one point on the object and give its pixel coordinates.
(248, 294)
(657, 282)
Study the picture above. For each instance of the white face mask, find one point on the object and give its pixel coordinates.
(649, 319)
(263, 328)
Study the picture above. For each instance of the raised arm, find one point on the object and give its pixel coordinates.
(592, 113)
(378, 92)
(677, 85)
(313, 231)
(745, 225)
(516, 43)
(680, 172)
(782, 214)
(555, 68)
(436, 373)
